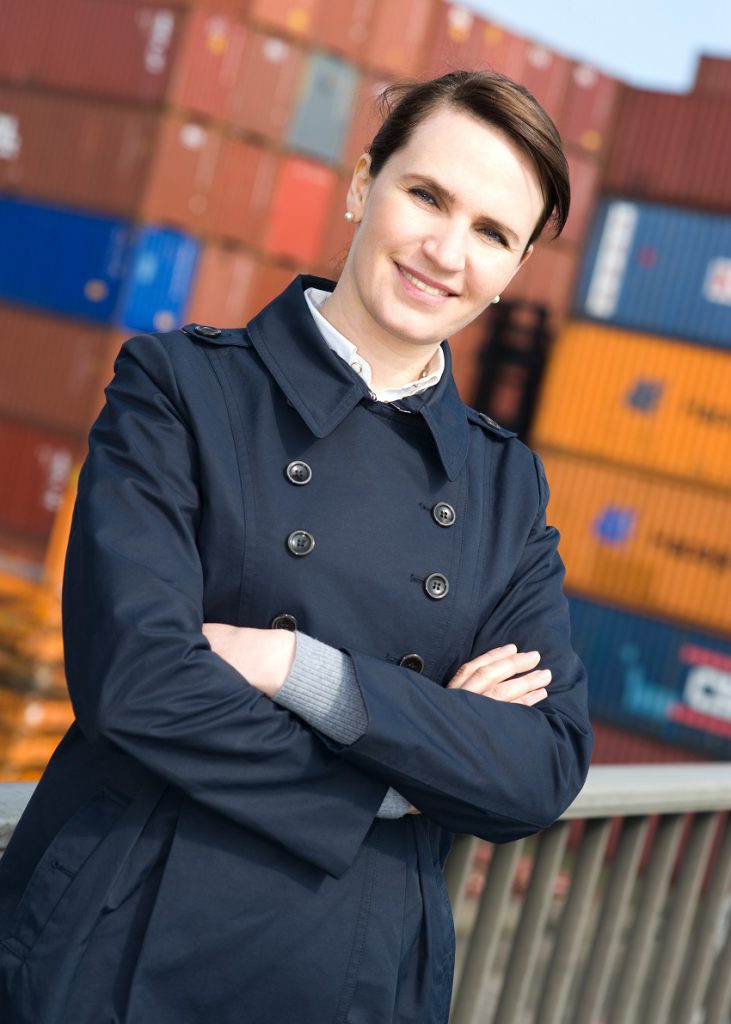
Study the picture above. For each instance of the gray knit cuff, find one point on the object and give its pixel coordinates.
(322, 689)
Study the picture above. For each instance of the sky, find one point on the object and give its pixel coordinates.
(648, 43)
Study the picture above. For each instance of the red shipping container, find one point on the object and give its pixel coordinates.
(546, 75)
(111, 49)
(222, 291)
(713, 76)
(398, 37)
(262, 98)
(56, 375)
(338, 232)
(209, 62)
(591, 101)
(456, 41)
(584, 174)
(503, 51)
(125, 160)
(21, 557)
(672, 148)
(269, 280)
(619, 746)
(295, 16)
(242, 194)
(547, 279)
(38, 462)
(344, 26)
(365, 119)
(302, 201)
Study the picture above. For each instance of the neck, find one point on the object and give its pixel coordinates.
(393, 361)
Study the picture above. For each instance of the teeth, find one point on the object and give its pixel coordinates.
(420, 284)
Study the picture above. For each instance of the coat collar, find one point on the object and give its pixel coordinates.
(323, 389)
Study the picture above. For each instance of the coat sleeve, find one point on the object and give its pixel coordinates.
(140, 672)
(477, 765)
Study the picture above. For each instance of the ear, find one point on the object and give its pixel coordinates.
(359, 185)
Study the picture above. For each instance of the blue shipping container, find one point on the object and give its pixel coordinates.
(670, 683)
(96, 267)
(659, 269)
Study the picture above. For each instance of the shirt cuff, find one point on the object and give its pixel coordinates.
(322, 689)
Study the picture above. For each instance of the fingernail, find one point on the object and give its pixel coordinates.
(545, 673)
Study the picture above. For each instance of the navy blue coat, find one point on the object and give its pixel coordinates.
(195, 853)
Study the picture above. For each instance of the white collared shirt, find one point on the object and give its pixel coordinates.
(348, 351)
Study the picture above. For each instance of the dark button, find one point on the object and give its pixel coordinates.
(206, 332)
(300, 542)
(284, 621)
(489, 420)
(413, 661)
(298, 473)
(443, 514)
(436, 585)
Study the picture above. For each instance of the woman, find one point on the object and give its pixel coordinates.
(248, 823)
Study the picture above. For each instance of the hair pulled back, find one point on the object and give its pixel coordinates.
(496, 100)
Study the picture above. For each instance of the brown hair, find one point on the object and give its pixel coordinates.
(496, 100)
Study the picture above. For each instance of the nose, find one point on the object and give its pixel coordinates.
(446, 245)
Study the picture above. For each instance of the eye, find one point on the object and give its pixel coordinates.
(423, 195)
(493, 235)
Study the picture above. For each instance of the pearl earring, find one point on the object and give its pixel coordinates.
(496, 299)
(349, 216)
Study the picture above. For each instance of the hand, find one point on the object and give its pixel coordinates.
(263, 656)
(497, 674)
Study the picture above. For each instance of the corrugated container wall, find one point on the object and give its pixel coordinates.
(300, 208)
(266, 84)
(55, 376)
(38, 462)
(673, 149)
(343, 26)
(292, 16)
(639, 400)
(672, 682)
(322, 113)
(653, 544)
(589, 108)
(398, 36)
(713, 76)
(658, 269)
(613, 745)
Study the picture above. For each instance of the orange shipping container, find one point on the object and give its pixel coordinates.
(584, 173)
(301, 204)
(455, 42)
(713, 75)
(546, 74)
(398, 37)
(640, 400)
(52, 370)
(653, 545)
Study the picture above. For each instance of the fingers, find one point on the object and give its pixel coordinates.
(464, 671)
(484, 672)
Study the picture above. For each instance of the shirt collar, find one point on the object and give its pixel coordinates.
(323, 389)
(345, 348)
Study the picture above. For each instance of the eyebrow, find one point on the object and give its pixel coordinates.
(449, 197)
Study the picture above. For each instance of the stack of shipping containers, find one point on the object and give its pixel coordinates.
(635, 423)
(165, 162)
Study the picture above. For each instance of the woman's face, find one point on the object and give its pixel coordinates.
(441, 229)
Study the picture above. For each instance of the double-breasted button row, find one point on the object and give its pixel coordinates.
(443, 514)
(284, 621)
(298, 472)
(300, 542)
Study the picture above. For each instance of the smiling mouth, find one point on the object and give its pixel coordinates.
(428, 289)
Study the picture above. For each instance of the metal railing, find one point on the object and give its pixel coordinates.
(618, 913)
